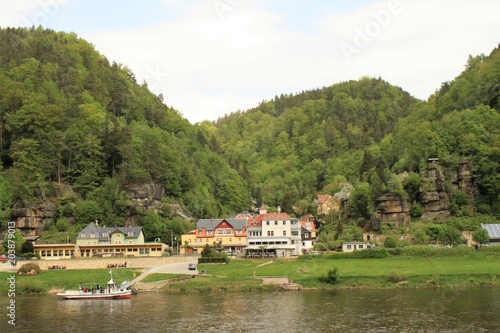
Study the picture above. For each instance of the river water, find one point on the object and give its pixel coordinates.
(393, 310)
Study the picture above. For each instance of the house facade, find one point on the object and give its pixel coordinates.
(230, 233)
(308, 235)
(274, 234)
(326, 203)
(95, 241)
(354, 246)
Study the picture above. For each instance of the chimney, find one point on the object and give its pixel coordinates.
(279, 209)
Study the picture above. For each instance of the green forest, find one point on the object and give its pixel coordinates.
(76, 129)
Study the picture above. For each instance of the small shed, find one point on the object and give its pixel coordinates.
(494, 233)
(354, 246)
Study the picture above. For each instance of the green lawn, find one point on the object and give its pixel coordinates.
(389, 272)
(63, 279)
(384, 272)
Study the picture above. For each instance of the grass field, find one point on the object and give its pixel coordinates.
(472, 269)
(354, 273)
(63, 279)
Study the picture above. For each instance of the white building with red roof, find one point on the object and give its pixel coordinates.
(273, 235)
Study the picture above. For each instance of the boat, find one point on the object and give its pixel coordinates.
(97, 291)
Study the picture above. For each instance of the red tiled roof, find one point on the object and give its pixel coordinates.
(323, 197)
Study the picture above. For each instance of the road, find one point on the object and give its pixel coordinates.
(177, 268)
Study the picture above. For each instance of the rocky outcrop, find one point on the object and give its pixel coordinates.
(392, 208)
(433, 196)
(30, 220)
(462, 179)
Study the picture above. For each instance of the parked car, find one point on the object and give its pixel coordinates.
(192, 266)
(3, 258)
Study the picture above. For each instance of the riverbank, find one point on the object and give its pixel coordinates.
(457, 268)
(307, 272)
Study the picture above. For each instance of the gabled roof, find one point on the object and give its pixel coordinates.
(493, 230)
(275, 216)
(308, 225)
(323, 197)
(93, 228)
(212, 224)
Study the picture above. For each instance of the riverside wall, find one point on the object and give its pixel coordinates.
(98, 263)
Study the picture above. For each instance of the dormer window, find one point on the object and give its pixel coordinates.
(105, 234)
(92, 235)
(131, 234)
(84, 235)
(254, 222)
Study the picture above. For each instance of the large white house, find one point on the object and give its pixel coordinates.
(274, 234)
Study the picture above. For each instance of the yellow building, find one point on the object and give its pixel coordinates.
(231, 233)
(95, 241)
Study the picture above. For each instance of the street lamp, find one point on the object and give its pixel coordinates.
(171, 241)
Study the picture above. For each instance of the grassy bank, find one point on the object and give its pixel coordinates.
(62, 279)
(399, 268)
(446, 268)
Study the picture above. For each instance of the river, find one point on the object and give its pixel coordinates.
(387, 310)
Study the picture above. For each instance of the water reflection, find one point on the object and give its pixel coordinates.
(425, 310)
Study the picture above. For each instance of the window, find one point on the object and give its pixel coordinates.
(360, 246)
(284, 232)
(270, 233)
(349, 247)
(230, 240)
(130, 234)
(105, 234)
(284, 222)
(92, 235)
(275, 222)
(267, 222)
(83, 235)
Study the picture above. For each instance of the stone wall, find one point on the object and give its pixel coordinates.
(97, 263)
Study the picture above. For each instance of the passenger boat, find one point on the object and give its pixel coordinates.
(97, 291)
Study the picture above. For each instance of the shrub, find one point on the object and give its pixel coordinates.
(394, 277)
(361, 254)
(29, 269)
(331, 277)
(390, 242)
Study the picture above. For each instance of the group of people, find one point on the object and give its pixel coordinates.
(57, 267)
(117, 265)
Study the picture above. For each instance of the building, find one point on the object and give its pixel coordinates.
(326, 203)
(493, 232)
(354, 246)
(95, 241)
(308, 235)
(230, 233)
(273, 234)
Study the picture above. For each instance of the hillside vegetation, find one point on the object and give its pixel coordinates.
(76, 129)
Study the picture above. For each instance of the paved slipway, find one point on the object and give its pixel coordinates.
(177, 268)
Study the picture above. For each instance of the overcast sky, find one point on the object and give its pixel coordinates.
(211, 57)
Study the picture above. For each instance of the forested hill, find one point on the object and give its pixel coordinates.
(367, 132)
(296, 146)
(69, 118)
(76, 130)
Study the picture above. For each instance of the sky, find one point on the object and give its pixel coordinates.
(209, 58)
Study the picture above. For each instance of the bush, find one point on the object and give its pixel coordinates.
(390, 242)
(331, 277)
(394, 277)
(362, 254)
(29, 269)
